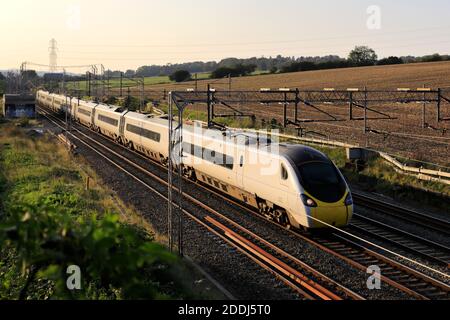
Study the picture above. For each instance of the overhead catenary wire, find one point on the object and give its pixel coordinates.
(234, 50)
(388, 33)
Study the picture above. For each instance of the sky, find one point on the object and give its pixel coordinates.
(127, 34)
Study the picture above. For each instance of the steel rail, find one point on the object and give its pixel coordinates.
(422, 247)
(362, 265)
(415, 217)
(292, 277)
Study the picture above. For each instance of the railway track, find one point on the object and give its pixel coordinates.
(410, 281)
(413, 282)
(416, 245)
(423, 220)
(303, 279)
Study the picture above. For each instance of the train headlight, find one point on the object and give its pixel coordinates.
(349, 200)
(307, 201)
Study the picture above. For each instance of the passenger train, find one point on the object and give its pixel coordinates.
(292, 184)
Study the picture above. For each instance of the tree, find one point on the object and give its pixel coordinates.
(273, 69)
(363, 56)
(2, 87)
(130, 73)
(299, 66)
(180, 76)
(246, 69)
(236, 71)
(223, 72)
(2, 77)
(433, 58)
(30, 74)
(390, 60)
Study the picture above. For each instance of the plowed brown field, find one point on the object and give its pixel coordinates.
(435, 74)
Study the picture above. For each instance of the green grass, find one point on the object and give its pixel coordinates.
(43, 201)
(260, 72)
(115, 83)
(148, 81)
(190, 114)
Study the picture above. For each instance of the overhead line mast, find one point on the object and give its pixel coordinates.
(53, 56)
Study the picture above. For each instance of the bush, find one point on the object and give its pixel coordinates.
(299, 66)
(114, 258)
(309, 66)
(389, 61)
(432, 58)
(237, 71)
(180, 76)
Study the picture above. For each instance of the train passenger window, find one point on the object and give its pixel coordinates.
(108, 120)
(284, 173)
(85, 112)
(144, 132)
(210, 155)
(189, 148)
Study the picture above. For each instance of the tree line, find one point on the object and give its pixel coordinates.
(234, 67)
(359, 56)
(2, 84)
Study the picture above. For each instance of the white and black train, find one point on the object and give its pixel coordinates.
(294, 185)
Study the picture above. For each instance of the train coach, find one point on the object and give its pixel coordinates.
(293, 185)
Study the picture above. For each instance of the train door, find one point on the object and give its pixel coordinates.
(74, 108)
(140, 138)
(240, 165)
(122, 125)
(93, 122)
(283, 177)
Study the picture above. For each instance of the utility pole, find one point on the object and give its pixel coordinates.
(107, 84)
(175, 161)
(53, 56)
(64, 82)
(439, 97)
(423, 109)
(127, 104)
(88, 83)
(196, 82)
(102, 70)
(22, 75)
(70, 114)
(121, 84)
(365, 110)
(67, 122)
(142, 94)
(208, 102)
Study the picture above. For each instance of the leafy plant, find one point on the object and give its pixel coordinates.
(114, 258)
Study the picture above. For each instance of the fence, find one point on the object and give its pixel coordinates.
(299, 100)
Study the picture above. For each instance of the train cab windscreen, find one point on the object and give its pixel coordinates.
(322, 181)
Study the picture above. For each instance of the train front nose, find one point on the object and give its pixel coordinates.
(324, 215)
(337, 216)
